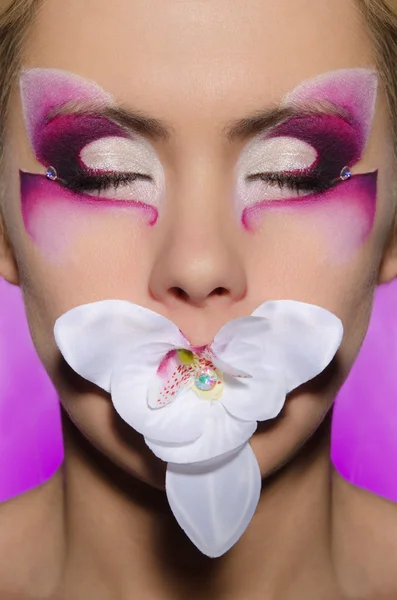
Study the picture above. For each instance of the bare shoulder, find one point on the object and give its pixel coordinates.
(365, 541)
(30, 543)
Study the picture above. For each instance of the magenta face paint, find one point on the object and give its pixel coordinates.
(352, 202)
(54, 215)
(44, 90)
(99, 163)
(352, 90)
(336, 141)
(337, 112)
(62, 140)
(37, 190)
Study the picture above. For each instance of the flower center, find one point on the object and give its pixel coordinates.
(206, 379)
(185, 356)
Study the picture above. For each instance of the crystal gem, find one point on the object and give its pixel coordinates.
(206, 379)
(51, 174)
(345, 173)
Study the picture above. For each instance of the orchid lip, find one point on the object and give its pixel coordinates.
(196, 349)
(199, 349)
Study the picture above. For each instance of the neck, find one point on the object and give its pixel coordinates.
(122, 537)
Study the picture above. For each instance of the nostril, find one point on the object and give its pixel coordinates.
(179, 293)
(219, 291)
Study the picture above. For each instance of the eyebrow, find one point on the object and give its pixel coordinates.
(240, 129)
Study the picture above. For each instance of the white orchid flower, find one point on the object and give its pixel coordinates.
(197, 408)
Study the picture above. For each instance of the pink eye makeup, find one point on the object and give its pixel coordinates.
(54, 215)
(330, 140)
(63, 139)
(95, 163)
(90, 153)
(313, 150)
(353, 91)
(45, 90)
(345, 211)
(297, 165)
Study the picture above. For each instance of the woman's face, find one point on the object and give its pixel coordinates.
(200, 237)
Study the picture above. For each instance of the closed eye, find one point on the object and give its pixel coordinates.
(81, 181)
(298, 182)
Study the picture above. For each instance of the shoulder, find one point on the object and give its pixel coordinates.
(29, 528)
(364, 541)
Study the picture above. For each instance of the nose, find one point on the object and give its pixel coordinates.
(199, 262)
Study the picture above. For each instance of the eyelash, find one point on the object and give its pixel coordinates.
(81, 182)
(311, 182)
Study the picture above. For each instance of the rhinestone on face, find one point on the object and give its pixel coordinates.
(345, 174)
(206, 379)
(51, 174)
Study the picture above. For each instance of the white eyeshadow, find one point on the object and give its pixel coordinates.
(276, 154)
(124, 155)
(120, 155)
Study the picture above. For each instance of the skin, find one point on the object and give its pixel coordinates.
(107, 533)
(342, 214)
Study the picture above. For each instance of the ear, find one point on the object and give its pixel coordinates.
(388, 267)
(8, 265)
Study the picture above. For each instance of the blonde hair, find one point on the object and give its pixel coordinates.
(15, 16)
(381, 18)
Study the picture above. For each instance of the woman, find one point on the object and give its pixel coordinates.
(194, 197)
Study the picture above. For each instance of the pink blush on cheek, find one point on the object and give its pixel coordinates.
(55, 217)
(342, 218)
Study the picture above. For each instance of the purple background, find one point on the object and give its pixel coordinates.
(364, 440)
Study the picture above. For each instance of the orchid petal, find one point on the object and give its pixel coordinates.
(297, 339)
(255, 399)
(222, 365)
(214, 502)
(237, 347)
(96, 338)
(222, 434)
(226, 367)
(302, 340)
(180, 421)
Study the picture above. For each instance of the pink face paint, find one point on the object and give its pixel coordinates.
(361, 188)
(54, 216)
(341, 217)
(353, 90)
(62, 140)
(43, 90)
(337, 113)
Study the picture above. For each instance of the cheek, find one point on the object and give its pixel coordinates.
(59, 220)
(336, 222)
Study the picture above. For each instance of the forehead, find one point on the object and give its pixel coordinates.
(186, 58)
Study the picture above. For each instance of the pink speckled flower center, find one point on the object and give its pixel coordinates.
(193, 371)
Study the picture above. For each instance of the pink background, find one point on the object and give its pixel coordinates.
(364, 440)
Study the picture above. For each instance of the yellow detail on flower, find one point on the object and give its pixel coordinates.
(185, 356)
